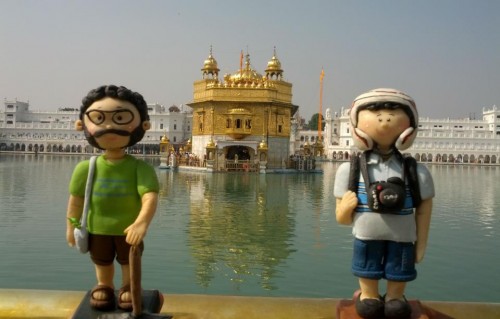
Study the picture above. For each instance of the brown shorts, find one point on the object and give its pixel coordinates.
(104, 248)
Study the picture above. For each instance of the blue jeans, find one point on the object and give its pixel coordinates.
(377, 259)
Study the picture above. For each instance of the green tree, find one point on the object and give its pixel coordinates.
(313, 122)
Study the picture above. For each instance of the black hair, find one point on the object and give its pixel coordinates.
(116, 92)
(119, 93)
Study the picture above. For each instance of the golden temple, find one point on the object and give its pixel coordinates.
(243, 120)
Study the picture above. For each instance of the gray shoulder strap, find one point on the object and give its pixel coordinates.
(88, 191)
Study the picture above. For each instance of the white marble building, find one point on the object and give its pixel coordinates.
(24, 130)
(438, 140)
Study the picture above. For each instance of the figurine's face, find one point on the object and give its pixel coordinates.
(384, 126)
(111, 122)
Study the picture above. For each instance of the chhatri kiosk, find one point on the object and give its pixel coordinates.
(242, 122)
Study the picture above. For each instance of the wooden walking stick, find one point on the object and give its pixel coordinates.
(153, 299)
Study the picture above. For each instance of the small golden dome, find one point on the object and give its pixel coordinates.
(210, 65)
(274, 64)
(274, 67)
(211, 143)
(164, 139)
(263, 145)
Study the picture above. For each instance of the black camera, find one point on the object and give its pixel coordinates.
(387, 197)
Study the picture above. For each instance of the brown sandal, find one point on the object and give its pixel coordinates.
(124, 305)
(103, 304)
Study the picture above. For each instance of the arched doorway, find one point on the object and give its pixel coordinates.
(238, 152)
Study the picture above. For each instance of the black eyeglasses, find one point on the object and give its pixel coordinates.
(120, 117)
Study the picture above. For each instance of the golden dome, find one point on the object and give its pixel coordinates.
(210, 144)
(274, 67)
(246, 75)
(164, 139)
(274, 64)
(263, 145)
(210, 65)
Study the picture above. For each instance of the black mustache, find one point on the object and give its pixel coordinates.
(112, 131)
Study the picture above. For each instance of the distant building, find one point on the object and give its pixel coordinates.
(54, 131)
(438, 140)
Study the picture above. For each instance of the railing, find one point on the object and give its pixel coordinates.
(241, 166)
(190, 161)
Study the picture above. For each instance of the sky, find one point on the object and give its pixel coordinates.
(443, 53)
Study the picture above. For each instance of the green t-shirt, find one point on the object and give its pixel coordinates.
(116, 193)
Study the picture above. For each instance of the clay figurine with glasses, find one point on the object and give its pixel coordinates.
(124, 193)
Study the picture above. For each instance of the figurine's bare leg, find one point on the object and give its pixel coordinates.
(395, 290)
(126, 281)
(369, 304)
(104, 276)
(369, 288)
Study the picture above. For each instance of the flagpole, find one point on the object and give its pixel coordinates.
(320, 114)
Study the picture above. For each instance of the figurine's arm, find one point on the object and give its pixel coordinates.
(345, 208)
(423, 219)
(74, 211)
(137, 231)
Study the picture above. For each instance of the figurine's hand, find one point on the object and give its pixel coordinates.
(345, 207)
(70, 236)
(349, 202)
(136, 233)
(419, 252)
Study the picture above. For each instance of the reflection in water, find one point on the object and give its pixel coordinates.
(248, 234)
(21, 177)
(470, 194)
(239, 226)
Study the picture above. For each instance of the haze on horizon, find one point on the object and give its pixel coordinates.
(445, 54)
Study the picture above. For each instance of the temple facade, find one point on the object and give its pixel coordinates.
(245, 118)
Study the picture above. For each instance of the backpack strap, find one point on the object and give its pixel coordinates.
(364, 169)
(354, 173)
(411, 172)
